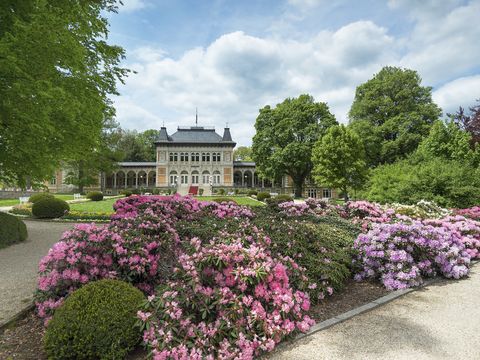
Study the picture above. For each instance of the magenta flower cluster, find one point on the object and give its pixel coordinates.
(401, 255)
(229, 300)
(471, 213)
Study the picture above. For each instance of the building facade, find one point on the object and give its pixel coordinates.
(193, 157)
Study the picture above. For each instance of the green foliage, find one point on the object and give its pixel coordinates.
(95, 195)
(261, 196)
(98, 321)
(12, 230)
(135, 146)
(252, 192)
(40, 196)
(56, 53)
(285, 136)
(316, 241)
(50, 208)
(391, 113)
(243, 153)
(223, 199)
(339, 160)
(200, 192)
(126, 192)
(274, 202)
(221, 191)
(449, 183)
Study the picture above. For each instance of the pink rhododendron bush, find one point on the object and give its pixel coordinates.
(226, 300)
(471, 213)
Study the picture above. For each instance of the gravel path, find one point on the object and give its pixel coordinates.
(441, 321)
(19, 264)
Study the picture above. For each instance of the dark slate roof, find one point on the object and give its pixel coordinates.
(137, 164)
(195, 135)
(243, 164)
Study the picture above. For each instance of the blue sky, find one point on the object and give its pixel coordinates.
(230, 58)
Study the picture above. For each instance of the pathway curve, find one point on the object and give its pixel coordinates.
(19, 265)
(440, 321)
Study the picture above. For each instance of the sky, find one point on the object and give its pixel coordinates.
(231, 58)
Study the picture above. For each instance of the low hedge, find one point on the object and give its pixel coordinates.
(223, 199)
(126, 192)
(50, 208)
(278, 199)
(252, 192)
(98, 321)
(261, 196)
(40, 196)
(95, 195)
(12, 230)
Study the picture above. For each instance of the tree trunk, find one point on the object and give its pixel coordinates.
(345, 194)
(80, 177)
(298, 185)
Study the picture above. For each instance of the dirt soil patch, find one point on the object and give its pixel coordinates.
(23, 340)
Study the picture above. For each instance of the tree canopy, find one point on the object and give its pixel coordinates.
(392, 112)
(285, 136)
(339, 160)
(469, 122)
(56, 74)
(243, 153)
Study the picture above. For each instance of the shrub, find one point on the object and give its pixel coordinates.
(400, 255)
(223, 200)
(40, 196)
(136, 191)
(97, 321)
(471, 213)
(221, 191)
(50, 208)
(279, 199)
(12, 230)
(126, 192)
(261, 196)
(252, 192)
(95, 195)
(22, 209)
(200, 192)
(227, 300)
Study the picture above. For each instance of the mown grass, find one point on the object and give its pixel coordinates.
(240, 200)
(104, 206)
(16, 201)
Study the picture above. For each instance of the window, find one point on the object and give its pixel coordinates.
(195, 177)
(312, 193)
(173, 157)
(216, 157)
(53, 181)
(173, 178)
(184, 157)
(206, 157)
(184, 177)
(216, 177)
(327, 193)
(195, 157)
(205, 177)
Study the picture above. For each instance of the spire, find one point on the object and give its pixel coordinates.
(196, 116)
(226, 135)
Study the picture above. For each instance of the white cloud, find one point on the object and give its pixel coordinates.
(460, 92)
(237, 74)
(132, 5)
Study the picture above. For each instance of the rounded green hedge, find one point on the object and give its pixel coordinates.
(12, 230)
(252, 192)
(261, 196)
(50, 208)
(95, 195)
(126, 192)
(98, 321)
(40, 196)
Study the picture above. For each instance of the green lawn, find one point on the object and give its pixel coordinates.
(11, 202)
(105, 206)
(241, 200)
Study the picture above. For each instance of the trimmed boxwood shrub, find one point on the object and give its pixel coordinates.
(224, 199)
(40, 196)
(126, 192)
(252, 192)
(50, 208)
(261, 196)
(12, 230)
(278, 200)
(98, 321)
(95, 195)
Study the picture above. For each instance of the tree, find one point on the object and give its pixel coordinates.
(138, 146)
(56, 75)
(285, 136)
(243, 153)
(391, 113)
(339, 160)
(469, 123)
(85, 171)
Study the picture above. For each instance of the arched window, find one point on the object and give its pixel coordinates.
(216, 157)
(205, 177)
(173, 157)
(184, 177)
(195, 157)
(205, 157)
(173, 178)
(216, 177)
(195, 177)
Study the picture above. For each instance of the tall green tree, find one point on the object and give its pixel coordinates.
(56, 75)
(392, 112)
(137, 146)
(243, 153)
(285, 136)
(339, 160)
(469, 122)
